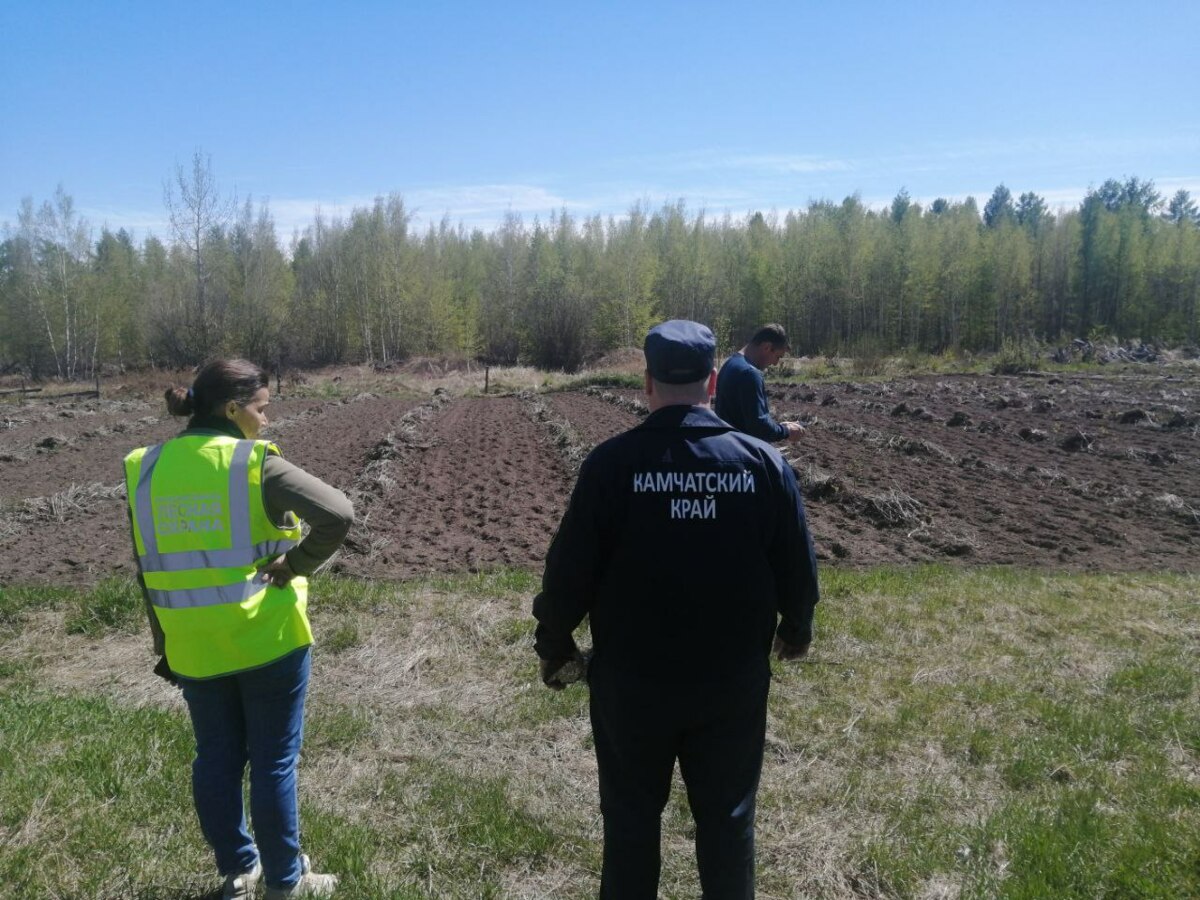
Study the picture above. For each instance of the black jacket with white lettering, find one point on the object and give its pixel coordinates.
(686, 542)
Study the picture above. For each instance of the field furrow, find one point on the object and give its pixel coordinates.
(1069, 472)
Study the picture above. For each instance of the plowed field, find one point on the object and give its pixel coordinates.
(1070, 472)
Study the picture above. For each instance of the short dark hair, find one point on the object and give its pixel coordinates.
(772, 334)
(216, 384)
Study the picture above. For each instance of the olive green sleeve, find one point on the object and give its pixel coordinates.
(326, 510)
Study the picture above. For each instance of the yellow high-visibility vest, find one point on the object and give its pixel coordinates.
(201, 530)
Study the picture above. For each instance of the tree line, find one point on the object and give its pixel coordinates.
(370, 288)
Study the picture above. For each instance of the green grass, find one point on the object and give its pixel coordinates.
(1021, 735)
(16, 602)
(631, 381)
(986, 733)
(436, 833)
(95, 795)
(114, 605)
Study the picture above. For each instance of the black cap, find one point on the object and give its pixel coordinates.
(679, 351)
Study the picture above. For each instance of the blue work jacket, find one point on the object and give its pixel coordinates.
(742, 400)
(686, 542)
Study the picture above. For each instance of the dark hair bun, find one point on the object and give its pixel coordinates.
(216, 384)
(179, 401)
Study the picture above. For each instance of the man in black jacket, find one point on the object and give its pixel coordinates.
(686, 543)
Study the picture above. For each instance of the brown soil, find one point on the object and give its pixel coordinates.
(592, 418)
(983, 493)
(1071, 472)
(332, 441)
(477, 486)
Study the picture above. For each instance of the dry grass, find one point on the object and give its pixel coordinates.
(378, 478)
(119, 666)
(894, 443)
(415, 378)
(893, 508)
(815, 482)
(57, 508)
(567, 440)
(629, 404)
(1179, 507)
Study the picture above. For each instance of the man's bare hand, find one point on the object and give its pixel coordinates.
(794, 431)
(278, 572)
(785, 651)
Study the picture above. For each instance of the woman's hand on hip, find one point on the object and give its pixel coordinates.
(278, 571)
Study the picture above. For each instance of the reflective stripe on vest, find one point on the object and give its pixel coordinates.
(201, 530)
(213, 559)
(187, 598)
(242, 553)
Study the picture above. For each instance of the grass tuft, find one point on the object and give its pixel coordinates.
(114, 605)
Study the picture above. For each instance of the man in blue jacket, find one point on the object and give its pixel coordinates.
(686, 543)
(741, 393)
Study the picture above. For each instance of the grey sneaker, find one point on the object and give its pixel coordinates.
(241, 885)
(311, 884)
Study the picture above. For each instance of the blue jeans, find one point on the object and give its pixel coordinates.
(256, 717)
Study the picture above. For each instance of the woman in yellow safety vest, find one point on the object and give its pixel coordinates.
(214, 514)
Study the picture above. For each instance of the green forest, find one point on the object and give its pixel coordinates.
(370, 288)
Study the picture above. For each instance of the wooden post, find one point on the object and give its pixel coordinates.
(278, 385)
(21, 396)
(487, 371)
(97, 384)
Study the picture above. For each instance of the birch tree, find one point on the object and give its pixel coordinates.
(52, 255)
(196, 207)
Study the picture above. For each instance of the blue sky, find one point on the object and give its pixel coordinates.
(473, 110)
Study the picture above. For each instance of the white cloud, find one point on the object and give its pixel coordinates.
(485, 202)
(482, 206)
(775, 164)
(708, 182)
(1168, 186)
(294, 215)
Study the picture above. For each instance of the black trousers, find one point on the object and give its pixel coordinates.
(717, 733)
